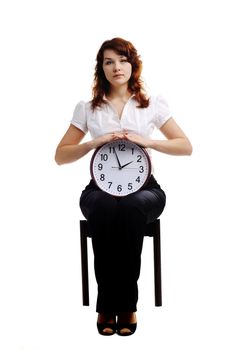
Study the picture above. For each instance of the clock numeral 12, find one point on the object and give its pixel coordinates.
(121, 147)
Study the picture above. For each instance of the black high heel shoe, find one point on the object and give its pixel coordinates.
(130, 326)
(126, 323)
(101, 326)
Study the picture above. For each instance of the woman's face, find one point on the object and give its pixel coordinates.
(116, 68)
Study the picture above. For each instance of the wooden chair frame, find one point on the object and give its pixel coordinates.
(152, 230)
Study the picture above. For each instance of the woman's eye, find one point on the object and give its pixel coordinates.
(108, 62)
(124, 60)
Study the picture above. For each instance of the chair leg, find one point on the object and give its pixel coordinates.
(84, 265)
(157, 266)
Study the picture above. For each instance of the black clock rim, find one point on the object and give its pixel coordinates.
(133, 143)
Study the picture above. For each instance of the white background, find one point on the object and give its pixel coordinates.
(48, 51)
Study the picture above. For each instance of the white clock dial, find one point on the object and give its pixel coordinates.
(120, 167)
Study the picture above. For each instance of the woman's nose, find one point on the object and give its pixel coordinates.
(116, 67)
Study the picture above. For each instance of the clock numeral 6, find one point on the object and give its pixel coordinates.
(119, 188)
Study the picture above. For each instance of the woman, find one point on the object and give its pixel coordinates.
(120, 110)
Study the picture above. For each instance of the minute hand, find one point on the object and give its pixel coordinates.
(126, 164)
(119, 164)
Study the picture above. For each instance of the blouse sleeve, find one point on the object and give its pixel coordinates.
(161, 110)
(79, 117)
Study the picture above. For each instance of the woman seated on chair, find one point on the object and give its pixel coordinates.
(120, 110)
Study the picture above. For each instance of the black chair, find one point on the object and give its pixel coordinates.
(152, 230)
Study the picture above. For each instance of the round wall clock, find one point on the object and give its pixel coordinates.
(120, 167)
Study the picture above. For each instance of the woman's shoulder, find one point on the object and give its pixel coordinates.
(81, 114)
(158, 102)
(157, 98)
(83, 104)
(83, 107)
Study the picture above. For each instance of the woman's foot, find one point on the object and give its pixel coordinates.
(106, 324)
(126, 323)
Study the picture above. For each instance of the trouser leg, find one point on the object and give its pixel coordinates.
(134, 212)
(100, 210)
(131, 223)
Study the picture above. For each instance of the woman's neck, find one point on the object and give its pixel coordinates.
(120, 93)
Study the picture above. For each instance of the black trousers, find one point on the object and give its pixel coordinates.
(117, 226)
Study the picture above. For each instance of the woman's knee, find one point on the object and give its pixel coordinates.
(148, 203)
(98, 203)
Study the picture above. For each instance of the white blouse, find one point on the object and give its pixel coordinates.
(105, 119)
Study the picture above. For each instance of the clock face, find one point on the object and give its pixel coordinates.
(120, 167)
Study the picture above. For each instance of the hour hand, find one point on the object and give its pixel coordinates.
(119, 164)
(126, 164)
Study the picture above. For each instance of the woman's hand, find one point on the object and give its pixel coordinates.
(177, 142)
(124, 135)
(138, 139)
(101, 140)
(70, 149)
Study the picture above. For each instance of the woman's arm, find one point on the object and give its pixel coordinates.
(177, 142)
(70, 149)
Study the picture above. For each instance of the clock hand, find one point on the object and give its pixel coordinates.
(120, 167)
(116, 167)
(126, 164)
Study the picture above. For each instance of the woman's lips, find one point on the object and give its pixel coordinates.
(118, 75)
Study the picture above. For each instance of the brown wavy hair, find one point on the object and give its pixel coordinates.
(101, 86)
